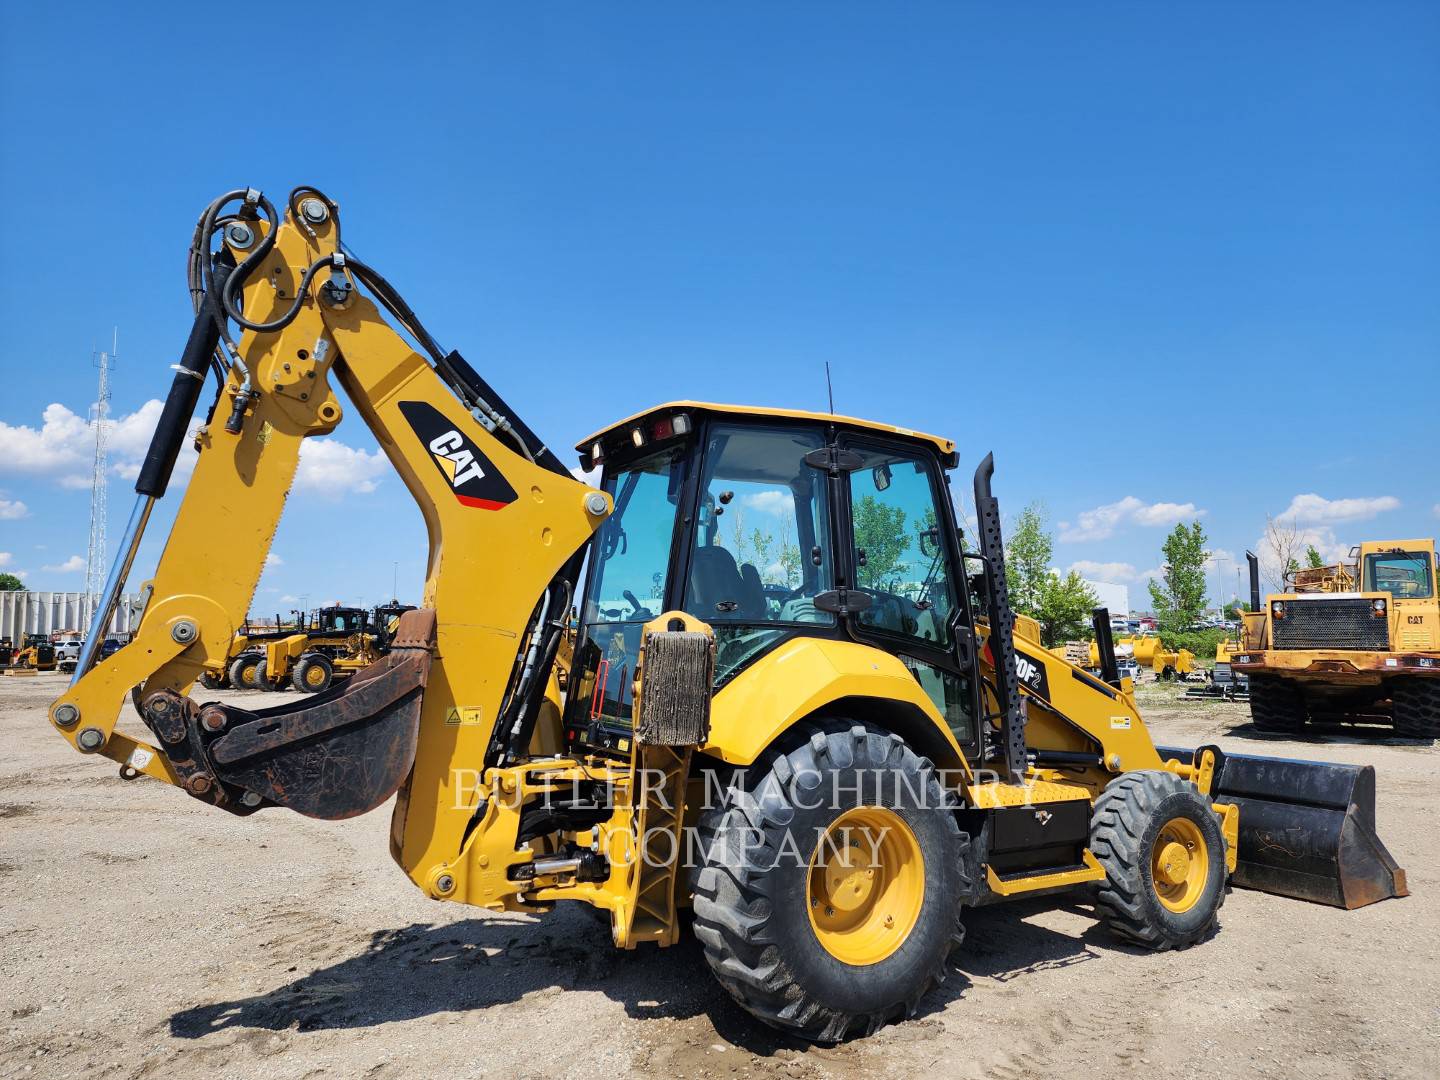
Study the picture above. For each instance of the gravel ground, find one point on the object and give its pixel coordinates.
(143, 933)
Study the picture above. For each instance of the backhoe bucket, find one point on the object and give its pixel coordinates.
(1307, 828)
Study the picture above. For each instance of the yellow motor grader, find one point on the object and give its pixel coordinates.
(824, 735)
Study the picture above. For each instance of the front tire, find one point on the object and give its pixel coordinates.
(1416, 704)
(243, 670)
(1276, 706)
(829, 896)
(313, 674)
(1164, 858)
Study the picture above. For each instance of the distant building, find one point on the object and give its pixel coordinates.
(24, 612)
(1112, 596)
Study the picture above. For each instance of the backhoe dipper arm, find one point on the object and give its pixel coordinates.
(503, 518)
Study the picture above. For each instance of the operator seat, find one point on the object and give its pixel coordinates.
(715, 579)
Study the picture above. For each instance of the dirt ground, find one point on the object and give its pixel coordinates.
(145, 934)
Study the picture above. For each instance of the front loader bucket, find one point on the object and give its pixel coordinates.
(1307, 828)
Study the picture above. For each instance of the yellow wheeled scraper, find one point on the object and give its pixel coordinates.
(823, 731)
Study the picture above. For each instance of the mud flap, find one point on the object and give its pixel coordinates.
(335, 755)
(1307, 828)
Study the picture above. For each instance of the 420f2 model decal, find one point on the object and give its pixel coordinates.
(470, 474)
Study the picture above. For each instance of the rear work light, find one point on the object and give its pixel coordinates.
(1278, 610)
(667, 426)
(1377, 608)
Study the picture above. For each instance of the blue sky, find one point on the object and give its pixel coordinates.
(1163, 260)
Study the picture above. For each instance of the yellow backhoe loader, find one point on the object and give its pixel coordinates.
(825, 737)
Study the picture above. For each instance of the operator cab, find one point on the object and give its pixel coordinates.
(769, 524)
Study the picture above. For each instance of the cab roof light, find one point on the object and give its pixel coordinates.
(637, 436)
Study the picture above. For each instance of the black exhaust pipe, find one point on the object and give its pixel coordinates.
(1105, 646)
(1254, 580)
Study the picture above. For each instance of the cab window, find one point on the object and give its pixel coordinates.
(900, 554)
(761, 549)
(1405, 575)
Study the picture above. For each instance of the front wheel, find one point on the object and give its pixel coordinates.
(829, 889)
(312, 674)
(1276, 706)
(1416, 707)
(242, 671)
(1164, 858)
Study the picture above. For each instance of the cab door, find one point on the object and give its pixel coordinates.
(902, 553)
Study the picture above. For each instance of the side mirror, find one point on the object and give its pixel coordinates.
(881, 475)
(929, 542)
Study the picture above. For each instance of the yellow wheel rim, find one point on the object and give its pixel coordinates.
(1180, 864)
(866, 885)
(314, 675)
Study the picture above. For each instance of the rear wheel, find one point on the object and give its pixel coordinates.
(828, 897)
(242, 672)
(312, 674)
(212, 681)
(1276, 705)
(1416, 705)
(1164, 859)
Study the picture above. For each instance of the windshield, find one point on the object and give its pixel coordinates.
(1405, 575)
(626, 585)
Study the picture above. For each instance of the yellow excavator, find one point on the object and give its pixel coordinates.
(819, 727)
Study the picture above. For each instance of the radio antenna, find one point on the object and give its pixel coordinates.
(829, 390)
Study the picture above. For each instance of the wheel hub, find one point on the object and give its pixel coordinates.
(866, 885)
(1179, 864)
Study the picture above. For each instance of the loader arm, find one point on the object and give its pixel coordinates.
(504, 521)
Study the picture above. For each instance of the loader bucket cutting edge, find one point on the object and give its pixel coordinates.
(1307, 828)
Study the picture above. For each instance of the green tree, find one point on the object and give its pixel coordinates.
(1027, 560)
(1179, 598)
(1061, 605)
(11, 583)
(1065, 608)
(1312, 557)
(880, 534)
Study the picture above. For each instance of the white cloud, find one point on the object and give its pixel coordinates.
(73, 565)
(1218, 557)
(590, 476)
(768, 502)
(1104, 571)
(288, 599)
(62, 448)
(1319, 510)
(5, 558)
(12, 510)
(272, 561)
(1101, 522)
(331, 469)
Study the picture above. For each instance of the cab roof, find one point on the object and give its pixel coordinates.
(945, 446)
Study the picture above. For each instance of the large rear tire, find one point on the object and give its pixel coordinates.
(828, 898)
(1276, 705)
(1164, 858)
(1416, 704)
